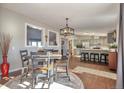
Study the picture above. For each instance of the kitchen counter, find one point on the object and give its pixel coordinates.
(95, 50)
(79, 50)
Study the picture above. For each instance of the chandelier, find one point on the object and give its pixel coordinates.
(67, 31)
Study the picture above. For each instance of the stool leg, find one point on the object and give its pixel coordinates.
(81, 58)
(84, 57)
(105, 60)
(90, 58)
(87, 57)
(94, 58)
(100, 59)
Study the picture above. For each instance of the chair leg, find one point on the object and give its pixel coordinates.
(49, 82)
(21, 79)
(67, 73)
(32, 85)
(44, 84)
(22, 76)
(35, 80)
(48, 85)
(56, 75)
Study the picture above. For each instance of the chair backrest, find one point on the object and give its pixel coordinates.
(43, 52)
(24, 57)
(38, 57)
(66, 59)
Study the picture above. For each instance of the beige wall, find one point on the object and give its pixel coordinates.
(14, 23)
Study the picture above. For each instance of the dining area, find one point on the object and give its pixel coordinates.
(41, 59)
(41, 63)
(47, 68)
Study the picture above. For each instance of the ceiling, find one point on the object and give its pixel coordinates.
(83, 17)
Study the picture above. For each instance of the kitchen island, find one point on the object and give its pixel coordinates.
(93, 55)
(78, 51)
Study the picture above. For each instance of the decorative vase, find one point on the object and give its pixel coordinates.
(5, 67)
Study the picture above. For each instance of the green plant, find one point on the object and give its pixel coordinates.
(79, 46)
(113, 46)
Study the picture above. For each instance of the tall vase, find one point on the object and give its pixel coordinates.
(5, 67)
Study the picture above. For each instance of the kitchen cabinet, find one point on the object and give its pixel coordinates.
(112, 60)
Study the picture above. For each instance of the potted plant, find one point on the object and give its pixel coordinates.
(113, 47)
(5, 40)
(79, 46)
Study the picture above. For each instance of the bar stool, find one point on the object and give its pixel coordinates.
(92, 57)
(84, 56)
(104, 57)
(96, 57)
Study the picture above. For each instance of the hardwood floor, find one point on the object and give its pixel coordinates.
(76, 62)
(13, 74)
(90, 81)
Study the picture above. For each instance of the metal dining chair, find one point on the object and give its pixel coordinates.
(41, 71)
(64, 64)
(25, 64)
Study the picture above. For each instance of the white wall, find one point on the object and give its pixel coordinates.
(0, 30)
(14, 23)
(119, 83)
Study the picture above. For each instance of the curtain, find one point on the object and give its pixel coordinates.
(120, 66)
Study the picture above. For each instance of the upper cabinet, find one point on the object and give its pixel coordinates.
(111, 37)
(34, 36)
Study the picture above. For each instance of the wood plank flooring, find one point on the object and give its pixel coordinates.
(90, 81)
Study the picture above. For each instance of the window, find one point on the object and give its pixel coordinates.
(52, 38)
(34, 36)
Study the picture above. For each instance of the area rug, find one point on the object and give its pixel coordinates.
(80, 69)
(59, 83)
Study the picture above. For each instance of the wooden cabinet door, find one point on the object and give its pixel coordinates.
(112, 58)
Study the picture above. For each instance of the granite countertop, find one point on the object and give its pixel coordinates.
(95, 50)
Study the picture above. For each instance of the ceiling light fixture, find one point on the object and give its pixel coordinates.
(67, 31)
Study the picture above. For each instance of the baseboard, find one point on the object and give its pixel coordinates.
(12, 70)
